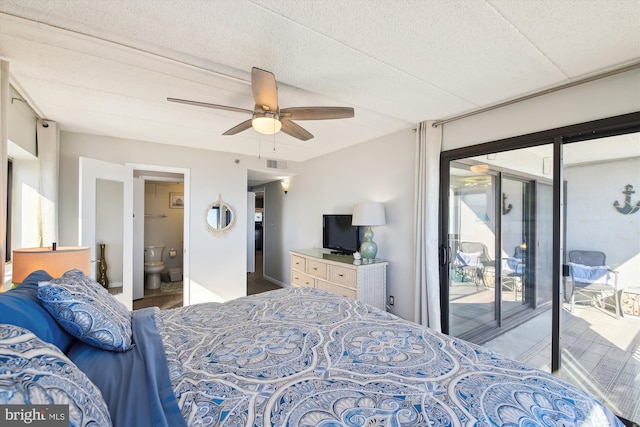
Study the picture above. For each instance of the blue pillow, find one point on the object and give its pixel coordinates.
(21, 307)
(37, 373)
(87, 311)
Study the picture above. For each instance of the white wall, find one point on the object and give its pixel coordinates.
(217, 269)
(591, 191)
(379, 170)
(25, 232)
(607, 97)
(22, 128)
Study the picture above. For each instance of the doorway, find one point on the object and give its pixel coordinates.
(256, 283)
(161, 221)
(162, 237)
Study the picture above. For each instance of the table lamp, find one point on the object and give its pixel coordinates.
(368, 214)
(54, 260)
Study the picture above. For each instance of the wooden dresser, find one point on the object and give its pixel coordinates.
(340, 274)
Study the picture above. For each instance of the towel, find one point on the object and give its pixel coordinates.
(465, 259)
(591, 274)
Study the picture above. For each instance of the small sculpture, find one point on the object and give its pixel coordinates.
(102, 268)
(357, 256)
(627, 208)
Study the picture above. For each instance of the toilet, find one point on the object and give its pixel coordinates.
(153, 266)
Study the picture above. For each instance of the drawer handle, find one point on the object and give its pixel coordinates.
(341, 275)
(315, 268)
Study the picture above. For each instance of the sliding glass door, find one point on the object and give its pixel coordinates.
(540, 243)
(601, 306)
(472, 244)
(495, 236)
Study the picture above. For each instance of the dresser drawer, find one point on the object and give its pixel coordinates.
(337, 289)
(317, 269)
(301, 279)
(342, 276)
(298, 263)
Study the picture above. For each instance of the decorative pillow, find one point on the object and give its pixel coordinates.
(87, 311)
(21, 307)
(33, 372)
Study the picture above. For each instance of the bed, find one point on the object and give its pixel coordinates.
(290, 357)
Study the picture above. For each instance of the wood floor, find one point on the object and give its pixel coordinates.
(169, 295)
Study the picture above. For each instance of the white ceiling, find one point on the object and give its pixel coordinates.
(107, 67)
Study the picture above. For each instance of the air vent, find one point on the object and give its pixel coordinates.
(276, 164)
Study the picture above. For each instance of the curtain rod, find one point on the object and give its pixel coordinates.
(22, 99)
(594, 77)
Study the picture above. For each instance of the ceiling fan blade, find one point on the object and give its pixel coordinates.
(206, 104)
(317, 113)
(295, 130)
(239, 128)
(265, 89)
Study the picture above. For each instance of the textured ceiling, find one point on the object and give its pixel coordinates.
(107, 67)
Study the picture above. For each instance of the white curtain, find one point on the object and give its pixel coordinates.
(427, 195)
(48, 153)
(4, 140)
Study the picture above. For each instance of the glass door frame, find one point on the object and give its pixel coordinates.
(617, 125)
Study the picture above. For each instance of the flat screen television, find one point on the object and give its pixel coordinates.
(339, 235)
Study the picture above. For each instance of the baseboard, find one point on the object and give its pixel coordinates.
(275, 282)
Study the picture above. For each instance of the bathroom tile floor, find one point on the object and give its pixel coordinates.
(169, 295)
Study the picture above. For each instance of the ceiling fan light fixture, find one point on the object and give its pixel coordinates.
(266, 123)
(479, 168)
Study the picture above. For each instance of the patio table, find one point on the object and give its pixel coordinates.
(630, 301)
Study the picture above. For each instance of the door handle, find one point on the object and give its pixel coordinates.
(443, 255)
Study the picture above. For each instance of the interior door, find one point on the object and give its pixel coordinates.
(106, 216)
(251, 231)
(138, 238)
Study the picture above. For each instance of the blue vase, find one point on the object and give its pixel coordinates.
(368, 248)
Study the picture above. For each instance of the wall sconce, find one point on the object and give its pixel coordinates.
(54, 260)
(285, 186)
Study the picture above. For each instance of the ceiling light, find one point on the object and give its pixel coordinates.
(266, 123)
(479, 168)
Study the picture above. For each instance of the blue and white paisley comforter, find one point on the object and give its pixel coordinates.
(303, 357)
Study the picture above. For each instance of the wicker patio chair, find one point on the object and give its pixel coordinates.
(593, 279)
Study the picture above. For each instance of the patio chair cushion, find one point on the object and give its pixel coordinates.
(591, 274)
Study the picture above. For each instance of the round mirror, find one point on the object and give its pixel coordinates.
(219, 218)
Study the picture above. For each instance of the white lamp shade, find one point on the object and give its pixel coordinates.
(368, 213)
(56, 263)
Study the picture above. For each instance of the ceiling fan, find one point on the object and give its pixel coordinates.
(267, 117)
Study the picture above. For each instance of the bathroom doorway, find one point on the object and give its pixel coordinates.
(160, 239)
